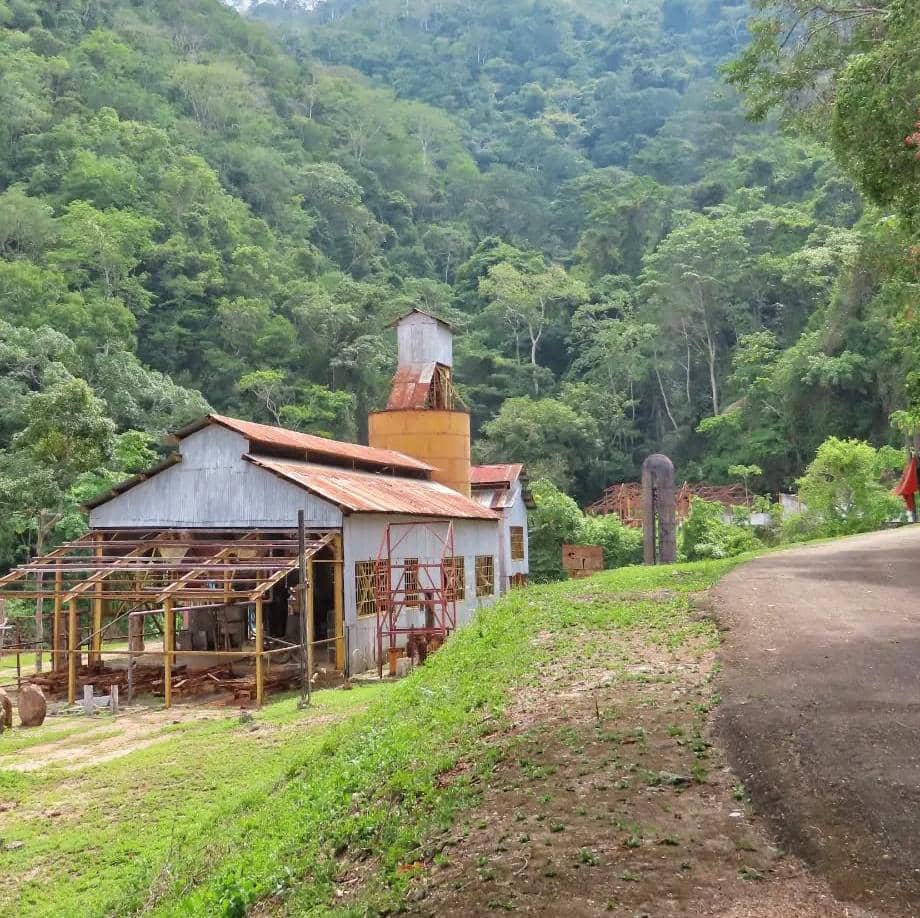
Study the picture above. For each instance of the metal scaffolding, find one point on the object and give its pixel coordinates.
(110, 575)
(415, 597)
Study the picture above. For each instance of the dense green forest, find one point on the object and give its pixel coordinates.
(198, 208)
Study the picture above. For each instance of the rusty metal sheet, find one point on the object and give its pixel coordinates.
(495, 474)
(582, 560)
(364, 492)
(496, 498)
(411, 386)
(319, 446)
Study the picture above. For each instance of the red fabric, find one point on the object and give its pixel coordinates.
(909, 484)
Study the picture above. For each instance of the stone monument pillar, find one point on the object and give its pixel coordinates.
(659, 510)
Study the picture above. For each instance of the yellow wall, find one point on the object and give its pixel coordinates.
(440, 438)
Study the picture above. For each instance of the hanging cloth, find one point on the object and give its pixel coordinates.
(909, 484)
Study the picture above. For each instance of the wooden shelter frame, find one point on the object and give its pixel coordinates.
(118, 573)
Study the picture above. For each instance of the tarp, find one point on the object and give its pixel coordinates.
(908, 485)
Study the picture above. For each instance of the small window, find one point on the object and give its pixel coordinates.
(365, 572)
(454, 580)
(517, 543)
(410, 580)
(485, 575)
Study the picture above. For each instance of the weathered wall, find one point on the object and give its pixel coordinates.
(515, 515)
(440, 438)
(214, 487)
(421, 339)
(363, 535)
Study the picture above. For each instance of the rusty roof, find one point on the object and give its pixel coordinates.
(313, 447)
(411, 386)
(420, 312)
(364, 492)
(495, 474)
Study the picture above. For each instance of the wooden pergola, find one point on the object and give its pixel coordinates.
(116, 574)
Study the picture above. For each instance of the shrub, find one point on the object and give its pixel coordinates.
(842, 491)
(622, 544)
(706, 534)
(557, 519)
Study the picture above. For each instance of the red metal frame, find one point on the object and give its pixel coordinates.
(430, 598)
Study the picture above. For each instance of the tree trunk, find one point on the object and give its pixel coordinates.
(664, 398)
(711, 356)
(39, 602)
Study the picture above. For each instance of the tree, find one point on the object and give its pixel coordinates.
(66, 435)
(690, 287)
(745, 473)
(527, 303)
(549, 437)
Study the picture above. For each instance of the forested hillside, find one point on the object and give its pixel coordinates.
(200, 208)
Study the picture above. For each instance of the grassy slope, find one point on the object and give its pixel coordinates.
(238, 821)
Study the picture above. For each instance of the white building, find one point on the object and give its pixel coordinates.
(503, 488)
(232, 479)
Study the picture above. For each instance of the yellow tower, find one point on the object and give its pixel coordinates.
(423, 417)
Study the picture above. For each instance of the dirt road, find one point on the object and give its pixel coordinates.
(821, 707)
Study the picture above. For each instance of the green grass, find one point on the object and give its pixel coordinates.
(217, 818)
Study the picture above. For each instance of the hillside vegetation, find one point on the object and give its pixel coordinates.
(341, 808)
(198, 208)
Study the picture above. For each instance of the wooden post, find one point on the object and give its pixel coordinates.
(310, 628)
(169, 639)
(96, 640)
(338, 573)
(260, 641)
(57, 658)
(72, 638)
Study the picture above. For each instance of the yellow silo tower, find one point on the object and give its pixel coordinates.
(423, 417)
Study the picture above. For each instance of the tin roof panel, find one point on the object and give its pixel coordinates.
(313, 445)
(363, 492)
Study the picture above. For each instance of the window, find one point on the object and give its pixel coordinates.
(410, 580)
(454, 580)
(365, 598)
(517, 543)
(485, 575)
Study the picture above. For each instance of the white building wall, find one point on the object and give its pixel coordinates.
(422, 339)
(214, 487)
(363, 535)
(515, 515)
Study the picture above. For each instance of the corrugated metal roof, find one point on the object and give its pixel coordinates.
(495, 474)
(311, 444)
(363, 492)
(411, 386)
(496, 498)
(421, 312)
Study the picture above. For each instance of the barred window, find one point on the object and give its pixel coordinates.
(517, 543)
(485, 575)
(364, 587)
(454, 579)
(410, 580)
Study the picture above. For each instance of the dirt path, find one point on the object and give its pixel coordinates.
(821, 707)
(609, 799)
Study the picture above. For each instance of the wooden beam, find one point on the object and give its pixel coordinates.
(310, 597)
(72, 650)
(113, 568)
(169, 644)
(203, 569)
(338, 588)
(57, 658)
(260, 640)
(95, 655)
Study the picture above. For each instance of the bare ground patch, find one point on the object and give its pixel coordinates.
(611, 799)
